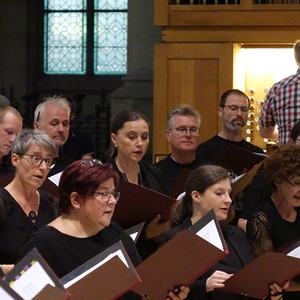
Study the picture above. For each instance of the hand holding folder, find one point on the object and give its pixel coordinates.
(255, 278)
(175, 263)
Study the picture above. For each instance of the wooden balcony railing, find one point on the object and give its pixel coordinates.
(217, 13)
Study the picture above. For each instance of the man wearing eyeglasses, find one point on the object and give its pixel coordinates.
(53, 117)
(233, 111)
(183, 127)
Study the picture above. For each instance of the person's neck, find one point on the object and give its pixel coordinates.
(1, 160)
(231, 136)
(285, 210)
(183, 158)
(130, 169)
(21, 191)
(196, 216)
(72, 225)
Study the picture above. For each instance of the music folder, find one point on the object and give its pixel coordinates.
(255, 278)
(139, 204)
(208, 228)
(135, 231)
(240, 183)
(237, 159)
(7, 293)
(106, 276)
(179, 261)
(31, 275)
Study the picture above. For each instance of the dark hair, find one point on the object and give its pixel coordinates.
(295, 132)
(123, 117)
(199, 180)
(225, 95)
(83, 177)
(284, 162)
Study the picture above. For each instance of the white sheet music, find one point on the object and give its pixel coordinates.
(295, 252)
(4, 295)
(118, 253)
(210, 233)
(31, 282)
(55, 178)
(134, 235)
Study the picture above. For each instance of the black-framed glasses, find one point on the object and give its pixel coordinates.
(293, 185)
(234, 108)
(37, 160)
(106, 196)
(182, 130)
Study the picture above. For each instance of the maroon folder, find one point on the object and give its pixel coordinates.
(255, 278)
(139, 204)
(180, 261)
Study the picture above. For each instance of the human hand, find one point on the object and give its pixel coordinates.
(216, 280)
(155, 228)
(276, 291)
(178, 293)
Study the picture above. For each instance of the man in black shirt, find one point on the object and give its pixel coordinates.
(233, 110)
(183, 126)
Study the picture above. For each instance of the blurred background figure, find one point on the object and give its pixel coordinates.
(10, 124)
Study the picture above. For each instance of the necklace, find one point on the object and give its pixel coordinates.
(139, 175)
(30, 211)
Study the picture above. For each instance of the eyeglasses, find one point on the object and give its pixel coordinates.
(182, 130)
(106, 196)
(293, 185)
(234, 108)
(37, 160)
(90, 162)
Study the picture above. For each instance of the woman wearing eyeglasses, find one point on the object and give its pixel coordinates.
(87, 199)
(130, 137)
(23, 207)
(277, 222)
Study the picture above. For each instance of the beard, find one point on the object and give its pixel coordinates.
(234, 127)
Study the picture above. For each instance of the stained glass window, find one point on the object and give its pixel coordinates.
(110, 37)
(66, 36)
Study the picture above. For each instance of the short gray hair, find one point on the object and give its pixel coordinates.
(29, 137)
(57, 100)
(183, 110)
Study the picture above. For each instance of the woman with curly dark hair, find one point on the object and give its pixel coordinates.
(277, 222)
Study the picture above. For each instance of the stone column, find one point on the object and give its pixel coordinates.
(137, 91)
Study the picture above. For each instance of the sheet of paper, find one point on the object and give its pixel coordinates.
(295, 252)
(210, 233)
(4, 295)
(55, 178)
(32, 281)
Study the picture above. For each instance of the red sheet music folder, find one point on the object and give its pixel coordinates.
(180, 261)
(255, 278)
(139, 204)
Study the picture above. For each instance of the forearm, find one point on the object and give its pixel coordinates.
(269, 132)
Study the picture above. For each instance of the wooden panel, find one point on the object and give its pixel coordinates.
(234, 35)
(235, 18)
(195, 74)
(161, 12)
